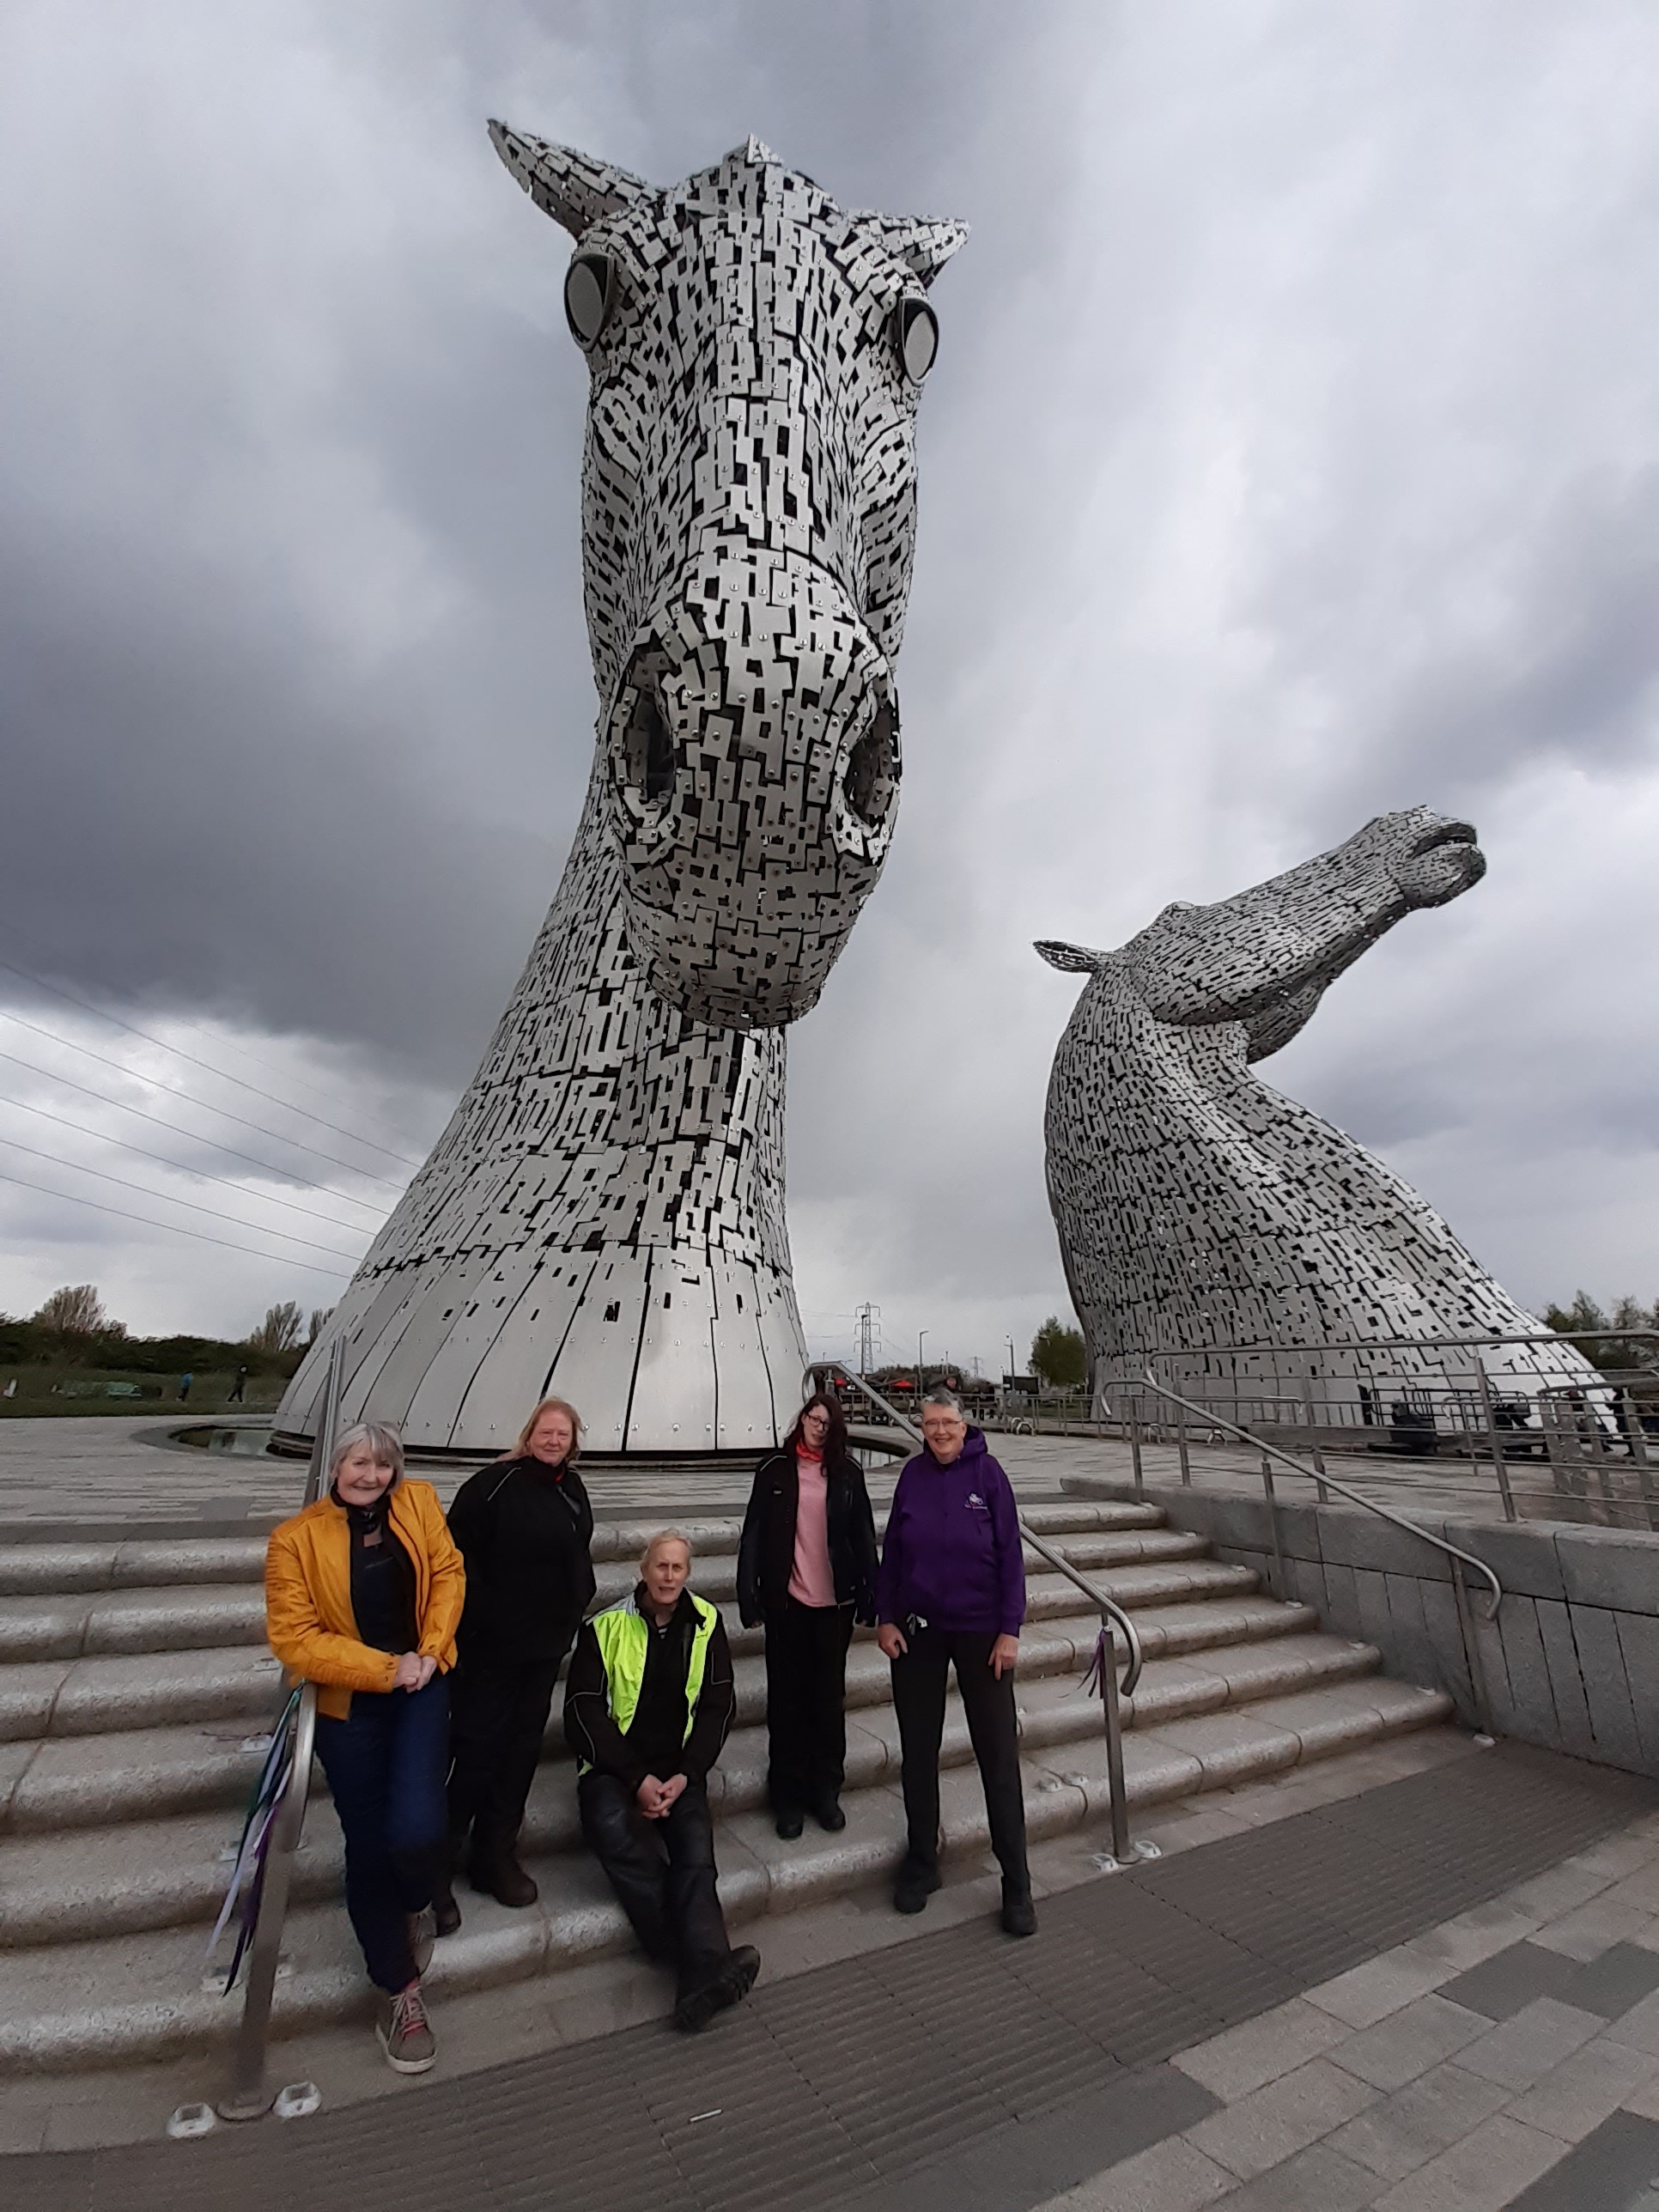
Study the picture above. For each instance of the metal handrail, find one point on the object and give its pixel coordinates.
(248, 2097)
(1112, 1615)
(1330, 1481)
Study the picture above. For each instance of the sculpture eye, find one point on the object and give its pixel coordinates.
(590, 290)
(915, 337)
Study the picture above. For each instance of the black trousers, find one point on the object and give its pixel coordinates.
(806, 1704)
(498, 1709)
(663, 1873)
(919, 1686)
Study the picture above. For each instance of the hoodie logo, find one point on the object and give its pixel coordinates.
(976, 1504)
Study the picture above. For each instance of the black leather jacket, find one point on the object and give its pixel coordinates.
(766, 1555)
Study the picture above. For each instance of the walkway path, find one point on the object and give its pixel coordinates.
(1438, 1995)
(116, 1473)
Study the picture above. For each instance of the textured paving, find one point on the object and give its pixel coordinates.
(958, 2069)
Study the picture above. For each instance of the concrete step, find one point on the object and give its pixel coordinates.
(140, 1996)
(71, 1886)
(52, 1623)
(187, 1730)
(63, 1569)
(55, 1698)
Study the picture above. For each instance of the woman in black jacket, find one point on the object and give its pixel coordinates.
(806, 1567)
(524, 1528)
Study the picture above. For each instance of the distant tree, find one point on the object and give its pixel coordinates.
(1584, 1318)
(76, 1309)
(1059, 1356)
(280, 1329)
(319, 1316)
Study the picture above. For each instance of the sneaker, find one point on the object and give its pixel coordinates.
(1018, 1913)
(446, 1913)
(405, 2032)
(915, 1884)
(728, 1986)
(422, 1930)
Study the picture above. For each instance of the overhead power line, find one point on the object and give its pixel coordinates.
(179, 1167)
(165, 1198)
(224, 1112)
(179, 1051)
(338, 1274)
(217, 1143)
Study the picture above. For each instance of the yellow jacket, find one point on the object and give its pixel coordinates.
(308, 1616)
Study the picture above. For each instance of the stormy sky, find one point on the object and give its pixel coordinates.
(1292, 455)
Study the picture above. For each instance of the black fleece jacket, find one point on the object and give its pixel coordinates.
(766, 1552)
(656, 1742)
(524, 1530)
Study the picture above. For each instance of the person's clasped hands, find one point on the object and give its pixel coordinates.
(413, 1673)
(655, 1798)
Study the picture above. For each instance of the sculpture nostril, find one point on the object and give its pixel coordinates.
(649, 747)
(872, 770)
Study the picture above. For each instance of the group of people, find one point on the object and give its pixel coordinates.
(436, 1644)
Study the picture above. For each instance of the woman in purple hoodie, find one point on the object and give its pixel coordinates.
(951, 1592)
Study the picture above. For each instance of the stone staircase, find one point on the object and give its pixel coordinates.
(136, 1691)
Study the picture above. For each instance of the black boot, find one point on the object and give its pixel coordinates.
(498, 1875)
(729, 1983)
(445, 1912)
(916, 1884)
(1018, 1913)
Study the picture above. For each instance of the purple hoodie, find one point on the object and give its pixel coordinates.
(951, 1552)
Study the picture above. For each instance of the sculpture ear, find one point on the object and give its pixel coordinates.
(922, 243)
(1076, 959)
(574, 188)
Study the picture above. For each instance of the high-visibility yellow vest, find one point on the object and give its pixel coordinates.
(624, 1635)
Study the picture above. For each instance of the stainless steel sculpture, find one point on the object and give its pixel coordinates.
(1198, 1208)
(603, 1214)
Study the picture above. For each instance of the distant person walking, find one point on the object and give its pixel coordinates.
(362, 1593)
(185, 1381)
(524, 1528)
(646, 1708)
(806, 1567)
(952, 1593)
(239, 1388)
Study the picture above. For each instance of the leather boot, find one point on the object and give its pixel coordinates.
(500, 1876)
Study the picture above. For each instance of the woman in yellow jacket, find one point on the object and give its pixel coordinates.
(362, 1593)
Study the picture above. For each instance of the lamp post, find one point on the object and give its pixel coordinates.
(920, 1332)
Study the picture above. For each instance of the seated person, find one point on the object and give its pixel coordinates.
(647, 1702)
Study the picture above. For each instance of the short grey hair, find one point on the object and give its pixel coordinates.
(669, 1537)
(385, 1447)
(941, 1396)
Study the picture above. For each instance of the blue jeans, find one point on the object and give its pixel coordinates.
(385, 1765)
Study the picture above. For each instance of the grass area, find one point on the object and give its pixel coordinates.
(79, 1392)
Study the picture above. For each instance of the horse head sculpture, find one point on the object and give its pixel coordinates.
(1197, 1208)
(603, 1214)
(748, 523)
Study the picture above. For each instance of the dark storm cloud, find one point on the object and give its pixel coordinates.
(1291, 457)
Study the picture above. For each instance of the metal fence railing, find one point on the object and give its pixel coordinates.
(1464, 1424)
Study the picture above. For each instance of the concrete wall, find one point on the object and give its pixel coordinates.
(1573, 1660)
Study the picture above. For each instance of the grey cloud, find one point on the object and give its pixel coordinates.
(1289, 458)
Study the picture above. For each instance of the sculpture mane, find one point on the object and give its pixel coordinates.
(603, 1214)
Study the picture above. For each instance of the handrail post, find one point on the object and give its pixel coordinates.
(1500, 1465)
(249, 2097)
(1134, 1449)
(1115, 1782)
